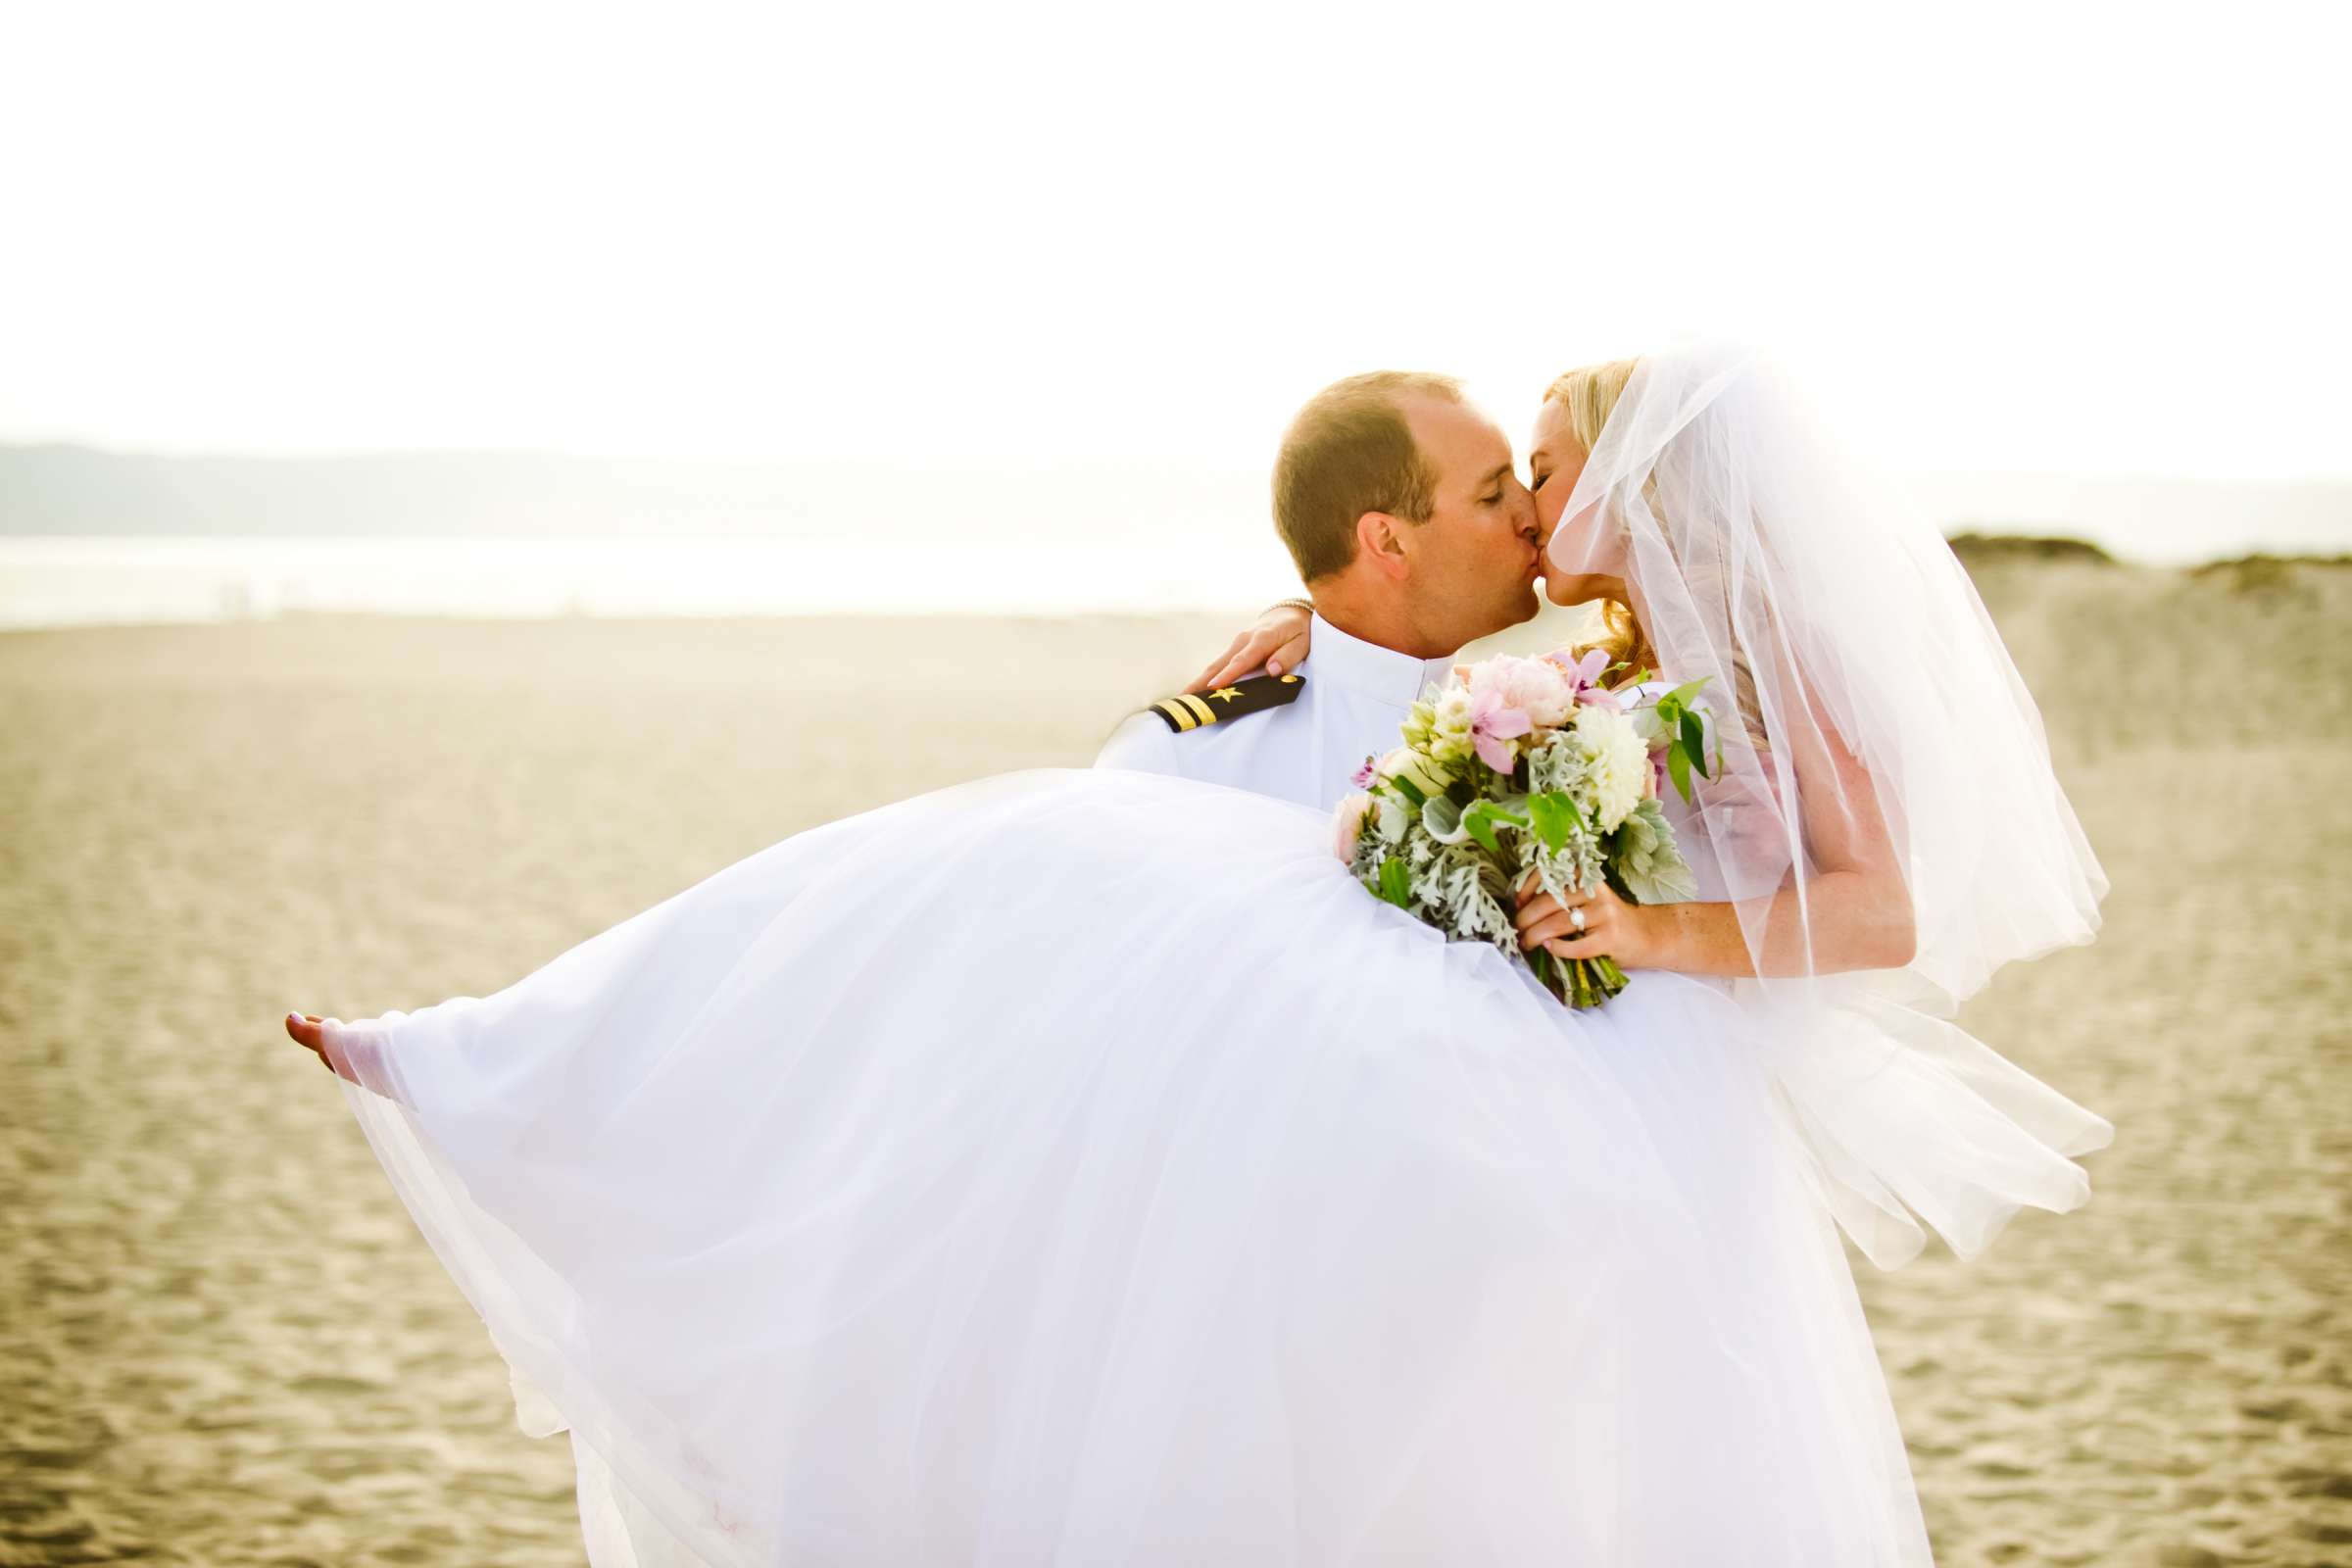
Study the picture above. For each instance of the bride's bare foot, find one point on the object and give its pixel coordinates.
(351, 1052)
(310, 1032)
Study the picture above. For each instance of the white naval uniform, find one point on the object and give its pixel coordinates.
(1354, 699)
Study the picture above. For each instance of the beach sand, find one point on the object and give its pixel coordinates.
(223, 1343)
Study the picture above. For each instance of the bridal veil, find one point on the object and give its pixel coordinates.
(1861, 689)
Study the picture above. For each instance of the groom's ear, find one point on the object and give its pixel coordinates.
(1380, 542)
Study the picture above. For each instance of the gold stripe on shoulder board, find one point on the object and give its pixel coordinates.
(1177, 712)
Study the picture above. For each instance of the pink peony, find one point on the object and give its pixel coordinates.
(1496, 716)
(1346, 824)
(1539, 688)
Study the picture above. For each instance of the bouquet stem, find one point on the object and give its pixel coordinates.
(1578, 982)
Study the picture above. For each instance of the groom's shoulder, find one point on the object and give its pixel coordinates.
(1197, 733)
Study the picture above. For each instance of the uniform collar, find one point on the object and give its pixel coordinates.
(1335, 659)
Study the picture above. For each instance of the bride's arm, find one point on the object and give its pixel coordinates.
(1855, 913)
(1278, 641)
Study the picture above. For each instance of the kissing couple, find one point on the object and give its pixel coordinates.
(1078, 1167)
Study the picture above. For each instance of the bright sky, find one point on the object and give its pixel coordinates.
(2092, 239)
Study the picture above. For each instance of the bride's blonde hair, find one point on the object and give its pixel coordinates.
(1588, 396)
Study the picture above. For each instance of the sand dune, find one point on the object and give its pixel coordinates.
(222, 1342)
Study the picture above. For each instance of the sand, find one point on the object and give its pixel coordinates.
(223, 1343)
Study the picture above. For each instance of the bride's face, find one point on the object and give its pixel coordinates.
(1583, 541)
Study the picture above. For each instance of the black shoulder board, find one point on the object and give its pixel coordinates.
(1200, 710)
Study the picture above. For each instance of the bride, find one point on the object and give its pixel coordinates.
(1077, 1166)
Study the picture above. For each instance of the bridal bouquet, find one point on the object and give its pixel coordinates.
(1520, 768)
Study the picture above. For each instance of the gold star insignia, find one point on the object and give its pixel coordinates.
(1226, 694)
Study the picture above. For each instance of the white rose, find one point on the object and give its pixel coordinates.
(1616, 765)
(1416, 769)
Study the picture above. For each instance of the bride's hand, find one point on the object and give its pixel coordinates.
(1587, 925)
(1278, 641)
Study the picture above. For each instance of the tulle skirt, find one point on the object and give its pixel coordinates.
(1077, 1168)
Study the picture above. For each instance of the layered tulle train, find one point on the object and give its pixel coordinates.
(1077, 1168)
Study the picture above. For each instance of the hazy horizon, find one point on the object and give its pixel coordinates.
(1016, 304)
(66, 490)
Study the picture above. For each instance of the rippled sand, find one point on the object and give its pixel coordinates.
(222, 1341)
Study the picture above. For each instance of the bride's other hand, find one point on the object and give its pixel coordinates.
(1278, 641)
(1589, 925)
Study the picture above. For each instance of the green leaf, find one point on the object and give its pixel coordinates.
(1499, 812)
(1553, 816)
(1694, 742)
(1678, 767)
(1479, 819)
(1409, 790)
(1395, 883)
(1685, 691)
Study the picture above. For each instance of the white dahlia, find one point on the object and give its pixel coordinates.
(1616, 765)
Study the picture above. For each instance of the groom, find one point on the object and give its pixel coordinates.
(1402, 508)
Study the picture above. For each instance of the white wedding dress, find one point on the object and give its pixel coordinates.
(1077, 1168)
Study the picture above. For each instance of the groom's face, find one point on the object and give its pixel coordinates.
(1474, 561)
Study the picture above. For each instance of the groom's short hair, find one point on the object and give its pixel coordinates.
(1349, 452)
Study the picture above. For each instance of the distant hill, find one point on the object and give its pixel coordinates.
(2001, 548)
(2174, 521)
(78, 490)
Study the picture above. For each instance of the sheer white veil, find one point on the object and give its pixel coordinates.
(1864, 710)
